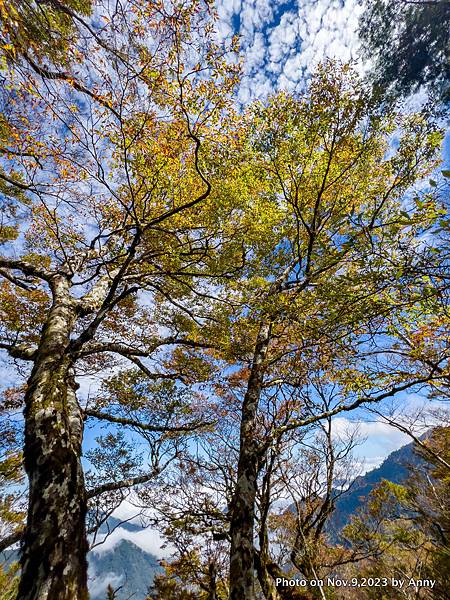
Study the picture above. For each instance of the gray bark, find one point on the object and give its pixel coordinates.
(54, 547)
(242, 567)
(212, 581)
(262, 561)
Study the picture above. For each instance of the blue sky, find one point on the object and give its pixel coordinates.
(283, 41)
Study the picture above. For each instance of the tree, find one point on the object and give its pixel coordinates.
(111, 593)
(192, 576)
(329, 284)
(294, 542)
(325, 306)
(190, 509)
(386, 541)
(429, 496)
(166, 587)
(404, 528)
(299, 471)
(105, 170)
(409, 43)
(153, 231)
(8, 581)
(41, 31)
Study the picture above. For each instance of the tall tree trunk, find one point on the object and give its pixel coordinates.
(53, 557)
(266, 582)
(242, 568)
(212, 581)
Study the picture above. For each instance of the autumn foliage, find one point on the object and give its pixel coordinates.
(191, 290)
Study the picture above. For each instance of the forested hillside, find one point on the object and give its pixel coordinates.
(128, 569)
(397, 468)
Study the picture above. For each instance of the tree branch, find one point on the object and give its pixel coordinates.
(427, 450)
(193, 426)
(22, 351)
(59, 75)
(119, 485)
(22, 186)
(128, 351)
(346, 407)
(26, 268)
(15, 280)
(11, 539)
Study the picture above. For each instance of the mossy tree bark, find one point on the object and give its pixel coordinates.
(242, 560)
(54, 547)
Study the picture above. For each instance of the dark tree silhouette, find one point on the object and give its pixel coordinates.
(409, 43)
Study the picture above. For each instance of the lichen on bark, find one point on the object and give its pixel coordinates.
(54, 546)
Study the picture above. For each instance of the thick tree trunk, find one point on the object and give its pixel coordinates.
(242, 568)
(53, 557)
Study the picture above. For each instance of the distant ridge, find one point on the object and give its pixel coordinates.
(126, 565)
(396, 468)
(132, 569)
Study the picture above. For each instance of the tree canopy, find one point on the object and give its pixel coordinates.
(228, 279)
(409, 44)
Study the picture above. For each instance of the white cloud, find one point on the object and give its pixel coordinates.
(89, 385)
(99, 583)
(368, 464)
(255, 54)
(378, 439)
(370, 429)
(284, 41)
(148, 538)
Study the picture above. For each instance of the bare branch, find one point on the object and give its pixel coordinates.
(429, 451)
(347, 407)
(11, 539)
(192, 426)
(119, 485)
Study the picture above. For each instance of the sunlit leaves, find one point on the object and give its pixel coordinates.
(43, 30)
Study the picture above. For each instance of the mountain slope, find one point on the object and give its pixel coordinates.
(397, 467)
(126, 566)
